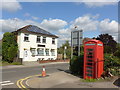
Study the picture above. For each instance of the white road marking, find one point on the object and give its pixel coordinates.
(3, 83)
(6, 84)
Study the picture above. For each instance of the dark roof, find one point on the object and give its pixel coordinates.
(35, 29)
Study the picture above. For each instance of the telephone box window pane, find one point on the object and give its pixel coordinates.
(89, 53)
(89, 63)
(89, 67)
(90, 60)
(89, 75)
(90, 56)
(89, 71)
(89, 49)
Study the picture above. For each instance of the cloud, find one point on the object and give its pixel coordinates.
(62, 28)
(107, 26)
(10, 25)
(53, 24)
(97, 3)
(110, 27)
(29, 15)
(87, 22)
(10, 6)
(35, 18)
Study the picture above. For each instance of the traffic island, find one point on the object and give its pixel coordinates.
(65, 80)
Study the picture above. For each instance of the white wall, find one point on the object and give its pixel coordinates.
(32, 44)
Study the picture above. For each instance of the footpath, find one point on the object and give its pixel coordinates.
(65, 80)
(29, 65)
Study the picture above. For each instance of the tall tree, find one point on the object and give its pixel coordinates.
(9, 47)
(68, 49)
(109, 43)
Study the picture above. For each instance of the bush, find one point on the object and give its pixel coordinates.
(76, 64)
(112, 62)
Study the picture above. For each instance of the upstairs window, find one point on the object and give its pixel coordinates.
(53, 40)
(38, 39)
(26, 37)
(44, 39)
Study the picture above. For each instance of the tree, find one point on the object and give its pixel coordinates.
(9, 47)
(109, 43)
(68, 50)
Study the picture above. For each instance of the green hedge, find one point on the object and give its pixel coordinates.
(76, 65)
(112, 63)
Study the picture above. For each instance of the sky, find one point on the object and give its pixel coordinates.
(60, 18)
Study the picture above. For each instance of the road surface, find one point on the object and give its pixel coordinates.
(11, 75)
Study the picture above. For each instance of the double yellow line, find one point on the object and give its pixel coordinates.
(20, 82)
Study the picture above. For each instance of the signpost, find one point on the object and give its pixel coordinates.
(76, 42)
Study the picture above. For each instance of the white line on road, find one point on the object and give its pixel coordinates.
(3, 83)
(6, 84)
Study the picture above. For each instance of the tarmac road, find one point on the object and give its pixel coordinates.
(11, 75)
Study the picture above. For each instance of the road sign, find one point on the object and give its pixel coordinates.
(76, 42)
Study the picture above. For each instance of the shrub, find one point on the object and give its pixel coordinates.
(112, 62)
(76, 65)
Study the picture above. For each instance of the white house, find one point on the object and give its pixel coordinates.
(35, 44)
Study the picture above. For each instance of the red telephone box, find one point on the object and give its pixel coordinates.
(93, 59)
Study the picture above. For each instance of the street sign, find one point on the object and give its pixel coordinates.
(76, 42)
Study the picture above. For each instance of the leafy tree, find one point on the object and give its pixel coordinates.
(117, 53)
(68, 50)
(109, 43)
(9, 47)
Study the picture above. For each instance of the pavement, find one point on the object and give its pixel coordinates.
(63, 79)
(30, 65)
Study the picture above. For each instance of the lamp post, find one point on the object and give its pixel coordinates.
(65, 52)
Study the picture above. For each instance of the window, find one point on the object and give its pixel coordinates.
(47, 52)
(52, 52)
(53, 40)
(32, 51)
(89, 75)
(38, 39)
(44, 39)
(40, 51)
(26, 37)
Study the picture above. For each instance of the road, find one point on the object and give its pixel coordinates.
(11, 75)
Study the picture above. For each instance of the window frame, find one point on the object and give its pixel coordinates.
(47, 53)
(52, 53)
(26, 36)
(44, 38)
(53, 40)
(31, 50)
(39, 53)
(38, 40)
